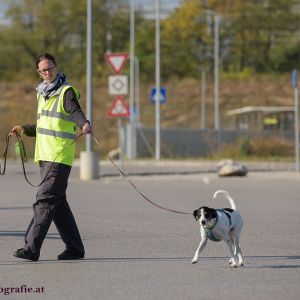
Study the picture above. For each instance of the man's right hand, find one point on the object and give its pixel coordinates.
(17, 129)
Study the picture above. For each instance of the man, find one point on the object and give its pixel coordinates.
(58, 114)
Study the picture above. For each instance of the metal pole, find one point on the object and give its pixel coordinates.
(131, 142)
(216, 82)
(216, 73)
(137, 90)
(89, 160)
(109, 28)
(296, 128)
(121, 143)
(89, 73)
(157, 76)
(203, 98)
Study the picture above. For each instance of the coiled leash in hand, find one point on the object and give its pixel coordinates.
(24, 157)
(24, 160)
(2, 171)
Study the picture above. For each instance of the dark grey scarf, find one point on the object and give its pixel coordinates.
(47, 89)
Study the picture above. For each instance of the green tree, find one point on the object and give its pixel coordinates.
(145, 49)
(255, 34)
(182, 34)
(259, 31)
(55, 26)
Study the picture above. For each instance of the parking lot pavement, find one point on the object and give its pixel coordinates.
(137, 251)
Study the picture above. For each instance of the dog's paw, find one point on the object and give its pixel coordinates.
(194, 261)
(241, 264)
(233, 263)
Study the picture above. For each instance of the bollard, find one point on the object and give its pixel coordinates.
(89, 165)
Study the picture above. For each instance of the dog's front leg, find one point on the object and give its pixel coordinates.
(232, 260)
(200, 248)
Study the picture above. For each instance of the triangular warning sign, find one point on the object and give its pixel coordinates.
(117, 61)
(118, 108)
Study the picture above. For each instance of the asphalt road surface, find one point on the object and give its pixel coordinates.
(137, 251)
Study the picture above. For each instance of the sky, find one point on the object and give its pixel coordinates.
(3, 7)
(147, 5)
(163, 2)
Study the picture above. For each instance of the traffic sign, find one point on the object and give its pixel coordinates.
(118, 108)
(162, 95)
(118, 85)
(117, 61)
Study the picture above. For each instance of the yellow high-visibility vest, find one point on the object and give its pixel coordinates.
(55, 129)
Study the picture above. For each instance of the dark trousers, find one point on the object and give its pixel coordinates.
(51, 205)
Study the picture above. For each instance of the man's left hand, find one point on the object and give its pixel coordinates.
(87, 128)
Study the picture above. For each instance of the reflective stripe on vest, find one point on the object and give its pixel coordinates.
(54, 133)
(53, 113)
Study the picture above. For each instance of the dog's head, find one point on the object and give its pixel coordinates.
(205, 215)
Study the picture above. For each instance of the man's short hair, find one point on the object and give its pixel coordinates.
(44, 56)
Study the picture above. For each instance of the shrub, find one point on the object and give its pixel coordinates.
(258, 147)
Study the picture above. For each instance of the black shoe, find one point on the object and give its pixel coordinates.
(25, 254)
(70, 254)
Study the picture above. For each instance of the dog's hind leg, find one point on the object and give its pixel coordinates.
(241, 260)
(231, 261)
(237, 251)
(200, 248)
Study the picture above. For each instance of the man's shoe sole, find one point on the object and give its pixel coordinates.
(69, 257)
(25, 257)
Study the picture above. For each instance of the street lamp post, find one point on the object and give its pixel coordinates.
(216, 72)
(89, 161)
(131, 142)
(296, 117)
(216, 81)
(202, 98)
(157, 85)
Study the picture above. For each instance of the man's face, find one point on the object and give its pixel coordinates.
(47, 70)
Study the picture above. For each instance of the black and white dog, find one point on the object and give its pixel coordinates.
(221, 224)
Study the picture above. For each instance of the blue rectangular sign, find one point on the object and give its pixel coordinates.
(162, 96)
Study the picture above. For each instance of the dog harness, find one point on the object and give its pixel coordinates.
(208, 230)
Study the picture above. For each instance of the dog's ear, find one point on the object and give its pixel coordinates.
(213, 213)
(196, 215)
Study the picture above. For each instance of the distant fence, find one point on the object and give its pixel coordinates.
(196, 142)
(175, 142)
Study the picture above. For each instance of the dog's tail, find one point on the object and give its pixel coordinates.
(231, 201)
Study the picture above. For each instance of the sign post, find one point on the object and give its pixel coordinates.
(294, 80)
(119, 109)
(118, 85)
(131, 132)
(157, 79)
